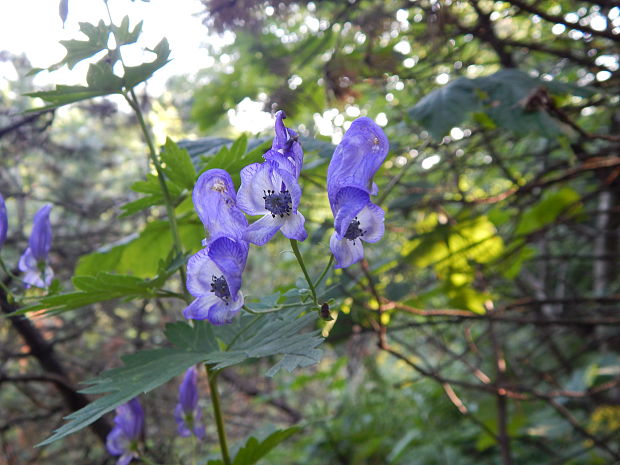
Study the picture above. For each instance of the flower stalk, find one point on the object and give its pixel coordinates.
(302, 265)
(217, 412)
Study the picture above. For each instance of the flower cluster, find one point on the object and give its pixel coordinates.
(124, 438)
(349, 187)
(271, 189)
(34, 261)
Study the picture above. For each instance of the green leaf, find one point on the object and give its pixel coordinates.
(101, 78)
(234, 158)
(134, 75)
(123, 35)
(444, 108)
(256, 336)
(141, 373)
(249, 336)
(546, 211)
(78, 50)
(93, 289)
(140, 255)
(253, 449)
(497, 99)
(63, 95)
(179, 167)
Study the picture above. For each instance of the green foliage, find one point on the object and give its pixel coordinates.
(100, 78)
(501, 96)
(141, 255)
(179, 168)
(103, 286)
(78, 50)
(254, 449)
(552, 204)
(141, 373)
(248, 337)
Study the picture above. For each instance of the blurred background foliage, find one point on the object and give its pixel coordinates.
(482, 329)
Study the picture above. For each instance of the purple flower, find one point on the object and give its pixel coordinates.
(215, 201)
(285, 150)
(214, 278)
(4, 221)
(33, 261)
(187, 412)
(357, 158)
(124, 437)
(275, 193)
(357, 219)
(349, 187)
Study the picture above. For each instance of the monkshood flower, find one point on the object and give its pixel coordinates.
(215, 201)
(214, 278)
(275, 193)
(4, 221)
(357, 158)
(33, 261)
(187, 412)
(285, 150)
(356, 219)
(124, 437)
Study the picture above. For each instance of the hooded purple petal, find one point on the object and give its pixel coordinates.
(214, 276)
(128, 426)
(358, 157)
(286, 150)
(4, 221)
(215, 201)
(130, 418)
(41, 236)
(188, 390)
(187, 412)
(357, 219)
(348, 202)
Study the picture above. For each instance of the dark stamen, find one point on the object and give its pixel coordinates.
(219, 286)
(279, 204)
(353, 231)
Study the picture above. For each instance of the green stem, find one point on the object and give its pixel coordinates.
(215, 401)
(329, 264)
(300, 259)
(271, 310)
(176, 238)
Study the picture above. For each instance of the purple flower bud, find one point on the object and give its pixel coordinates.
(214, 277)
(274, 193)
(187, 412)
(286, 150)
(41, 236)
(357, 158)
(33, 261)
(124, 437)
(215, 201)
(4, 221)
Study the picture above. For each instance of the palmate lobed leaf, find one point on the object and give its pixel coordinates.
(499, 96)
(249, 336)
